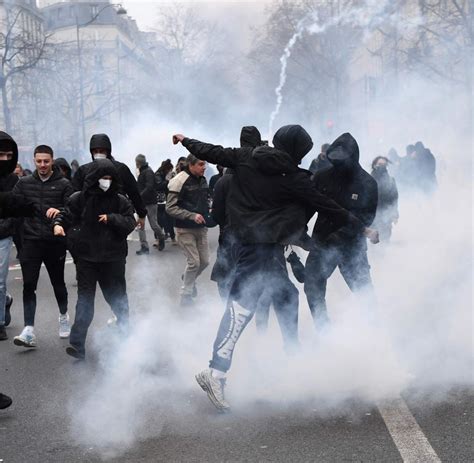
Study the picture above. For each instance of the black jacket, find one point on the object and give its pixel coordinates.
(8, 225)
(54, 192)
(351, 187)
(91, 240)
(188, 195)
(146, 183)
(219, 211)
(127, 180)
(270, 194)
(319, 163)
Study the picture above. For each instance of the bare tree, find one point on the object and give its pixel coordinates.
(21, 49)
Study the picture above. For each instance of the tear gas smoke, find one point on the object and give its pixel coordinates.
(419, 334)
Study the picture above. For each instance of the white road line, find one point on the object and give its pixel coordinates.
(406, 433)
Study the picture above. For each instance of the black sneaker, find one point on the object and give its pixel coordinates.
(161, 244)
(73, 352)
(143, 251)
(5, 401)
(3, 333)
(8, 304)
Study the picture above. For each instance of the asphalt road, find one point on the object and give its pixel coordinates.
(112, 408)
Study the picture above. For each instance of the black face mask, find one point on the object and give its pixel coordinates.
(340, 158)
(381, 169)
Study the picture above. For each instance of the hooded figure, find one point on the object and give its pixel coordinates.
(128, 184)
(267, 206)
(64, 167)
(345, 247)
(98, 219)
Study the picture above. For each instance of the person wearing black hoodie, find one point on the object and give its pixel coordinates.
(268, 208)
(49, 190)
(97, 220)
(8, 227)
(64, 167)
(101, 148)
(147, 187)
(347, 183)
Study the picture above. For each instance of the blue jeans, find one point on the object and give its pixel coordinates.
(5, 248)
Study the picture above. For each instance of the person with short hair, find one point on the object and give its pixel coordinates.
(49, 191)
(188, 203)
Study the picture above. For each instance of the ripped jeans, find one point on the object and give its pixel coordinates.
(256, 268)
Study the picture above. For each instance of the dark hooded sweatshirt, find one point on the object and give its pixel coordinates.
(249, 137)
(270, 193)
(63, 165)
(127, 180)
(350, 186)
(95, 241)
(9, 225)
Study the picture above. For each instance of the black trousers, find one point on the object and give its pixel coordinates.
(111, 279)
(165, 221)
(53, 255)
(321, 263)
(255, 270)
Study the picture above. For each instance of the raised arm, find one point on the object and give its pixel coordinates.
(215, 154)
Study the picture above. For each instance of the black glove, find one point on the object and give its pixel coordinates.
(296, 266)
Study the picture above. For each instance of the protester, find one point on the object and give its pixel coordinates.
(19, 170)
(101, 148)
(49, 191)
(8, 227)
(64, 167)
(163, 175)
(321, 162)
(349, 185)
(98, 221)
(268, 208)
(180, 165)
(148, 190)
(188, 204)
(214, 179)
(387, 207)
(426, 169)
(74, 167)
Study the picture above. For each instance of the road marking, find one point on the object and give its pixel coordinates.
(18, 266)
(406, 433)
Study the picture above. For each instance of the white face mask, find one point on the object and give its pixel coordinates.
(99, 156)
(104, 184)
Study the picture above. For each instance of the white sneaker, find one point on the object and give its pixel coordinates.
(214, 387)
(64, 326)
(27, 338)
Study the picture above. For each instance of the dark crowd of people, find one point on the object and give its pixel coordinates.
(261, 200)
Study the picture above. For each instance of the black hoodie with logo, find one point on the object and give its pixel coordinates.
(347, 183)
(127, 180)
(270, 194)
(95, 241)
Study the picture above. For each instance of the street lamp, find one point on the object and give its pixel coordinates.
(120, 10)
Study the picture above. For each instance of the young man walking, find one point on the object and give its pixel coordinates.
(49, 191)
(188, 203)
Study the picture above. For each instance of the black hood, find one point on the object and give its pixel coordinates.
(250, 137)
(61, 163)
(101, 140)
(99, 169)
(294, 140)
(272, 161)
(344, 152)
(8, 144)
